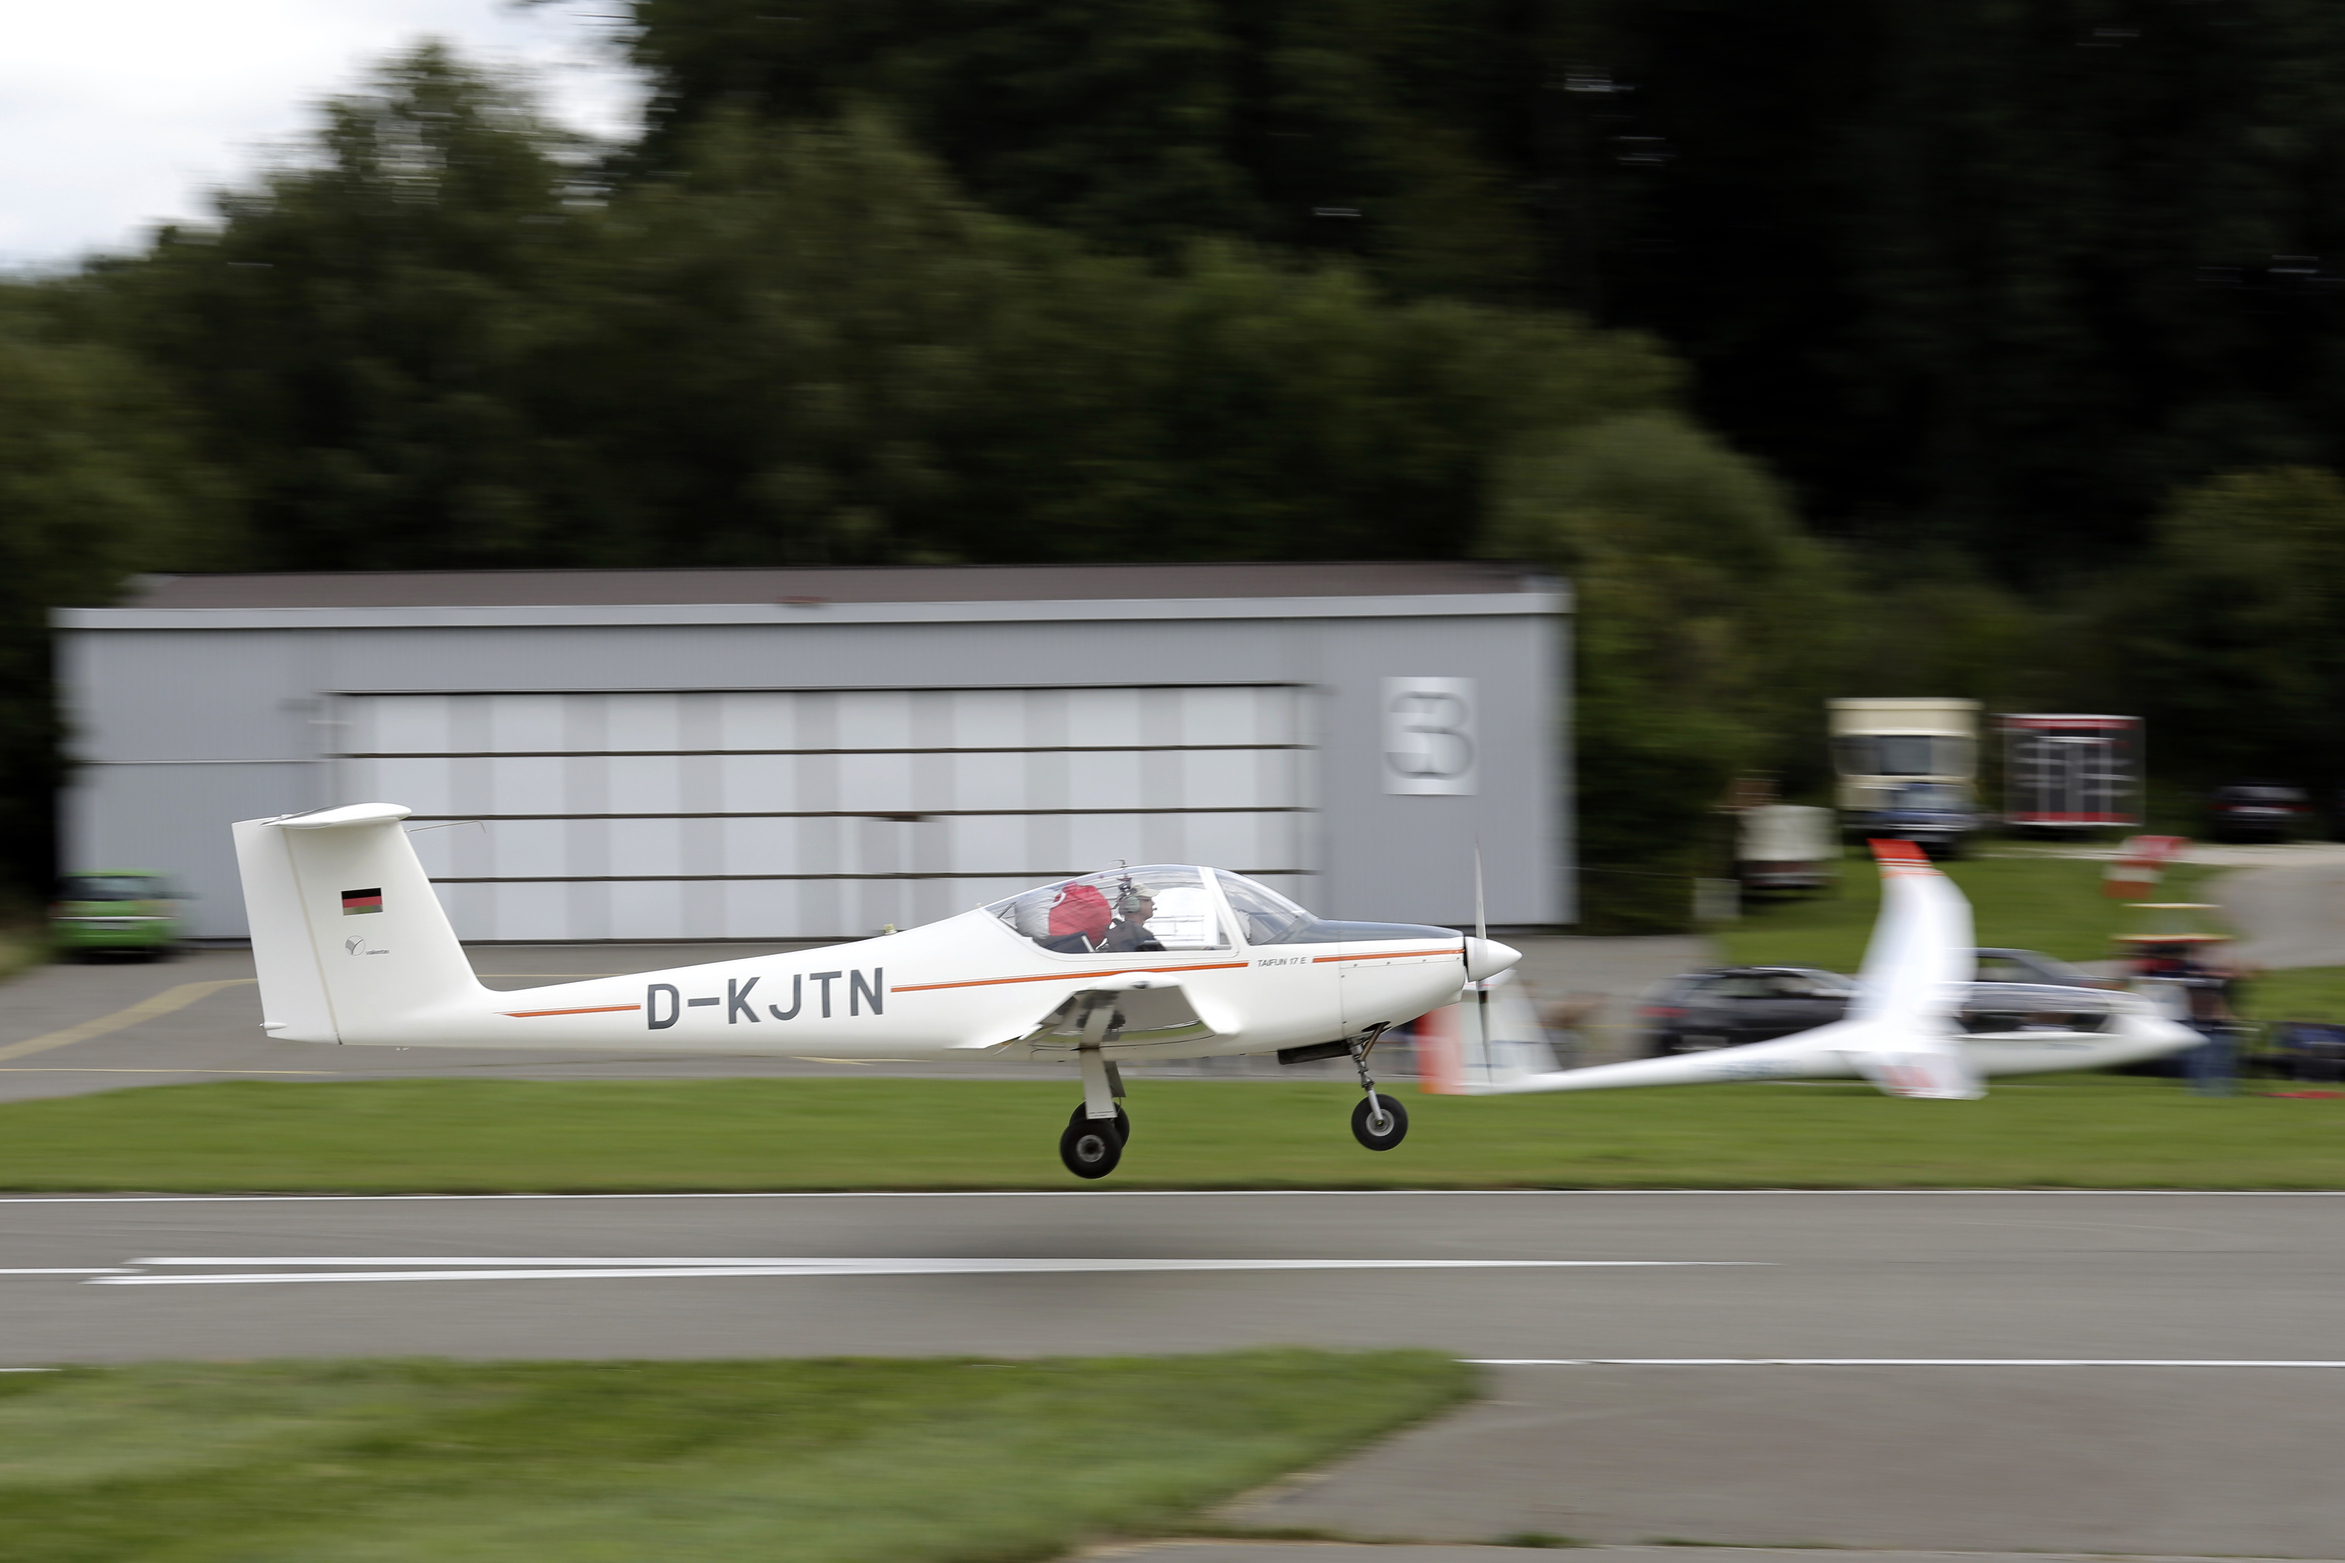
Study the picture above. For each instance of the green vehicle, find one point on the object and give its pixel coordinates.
(120, 910)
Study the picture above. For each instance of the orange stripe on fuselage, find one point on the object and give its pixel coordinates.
(1066, 976)
(592, 1009)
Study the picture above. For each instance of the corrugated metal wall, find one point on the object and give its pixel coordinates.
(779, 813)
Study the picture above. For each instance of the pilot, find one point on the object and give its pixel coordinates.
(1130, 929)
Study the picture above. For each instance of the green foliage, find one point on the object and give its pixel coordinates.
(821, 1461)
(1710, 630)
(1350, 127)
(1994, 278)
(97, 481)
(805, 346)
(352, 321)
(2227, 632)
(425, 347)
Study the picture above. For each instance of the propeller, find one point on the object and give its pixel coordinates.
(1481, 933)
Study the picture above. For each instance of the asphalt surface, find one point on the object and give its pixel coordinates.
(2021, 1434)
(210, 1029)
(2291, 913)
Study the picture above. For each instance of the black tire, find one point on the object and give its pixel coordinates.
(1123, 1122)
(1396, 1123)
(1091, 1147)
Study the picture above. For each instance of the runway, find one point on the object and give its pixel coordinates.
(1966, 1371)
(1542, 1276)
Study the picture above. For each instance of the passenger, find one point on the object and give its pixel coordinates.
(1079, 920)
(1130, 932)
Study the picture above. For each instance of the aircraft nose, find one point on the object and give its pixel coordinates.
(1486, 958)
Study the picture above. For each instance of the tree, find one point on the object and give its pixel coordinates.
(1710, 630)
(350, 320)
(2226, 634)
(97, 482)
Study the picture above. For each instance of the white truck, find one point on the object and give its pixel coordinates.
(1784, 846)
(1881, 747)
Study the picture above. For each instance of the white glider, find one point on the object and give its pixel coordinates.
(1919, 1025)
(1137, 964)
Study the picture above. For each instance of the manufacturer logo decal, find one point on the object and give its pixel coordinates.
(355, 902)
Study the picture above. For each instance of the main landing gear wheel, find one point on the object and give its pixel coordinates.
(1091, 1147)
(1380, 1130)
(1123, 1122)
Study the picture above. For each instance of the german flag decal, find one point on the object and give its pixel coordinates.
(357, 901)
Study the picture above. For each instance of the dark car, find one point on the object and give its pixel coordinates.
(2258, 811)
(1935, 816)
(2027, 967)
(1731, 1006)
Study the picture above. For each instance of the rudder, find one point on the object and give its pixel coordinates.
(348, 938)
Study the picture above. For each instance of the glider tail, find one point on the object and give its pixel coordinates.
(348, 938)
(1900, 1033)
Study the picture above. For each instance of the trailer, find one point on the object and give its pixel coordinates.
(1880, 746)
(2071, 772)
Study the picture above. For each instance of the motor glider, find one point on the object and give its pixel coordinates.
(1134, 965)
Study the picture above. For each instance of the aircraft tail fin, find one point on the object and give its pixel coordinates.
(348, 937)
(1902, 1035)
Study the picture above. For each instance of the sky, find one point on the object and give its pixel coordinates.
(116, 115)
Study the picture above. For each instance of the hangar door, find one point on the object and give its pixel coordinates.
(764, 814)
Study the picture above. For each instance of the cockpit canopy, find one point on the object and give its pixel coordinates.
(1164, 906)
(1157, 907)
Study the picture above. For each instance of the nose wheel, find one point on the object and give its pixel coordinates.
(1379, 1121)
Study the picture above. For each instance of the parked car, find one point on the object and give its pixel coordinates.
(118, 911)
(1732, 1006)
(2258, 811)
(2026, 966)
(1935, 816)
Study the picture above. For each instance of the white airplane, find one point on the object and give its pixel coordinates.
(1919, 1025)
(1136, 964)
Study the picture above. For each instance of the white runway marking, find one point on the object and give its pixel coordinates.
(1899, 1362)
(607, 1269)
(67, 1270)
(1097, 1193)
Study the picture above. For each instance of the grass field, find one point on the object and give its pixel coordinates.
(2307, 993)
(2084, 1131)
(855, 1461)
(2051, 904)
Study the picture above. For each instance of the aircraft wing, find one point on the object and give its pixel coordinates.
(1133, 1008)
(1899, 1033)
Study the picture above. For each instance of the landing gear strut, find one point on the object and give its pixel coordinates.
(1096, 1134)
(1379, 1122)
